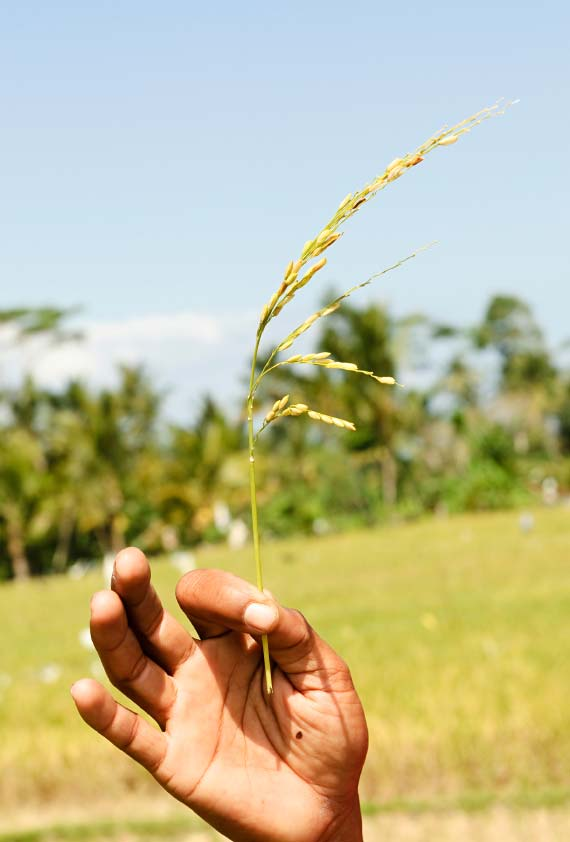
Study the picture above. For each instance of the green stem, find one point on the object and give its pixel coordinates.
(254, 518)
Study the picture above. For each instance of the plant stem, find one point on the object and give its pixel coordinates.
(254, 519)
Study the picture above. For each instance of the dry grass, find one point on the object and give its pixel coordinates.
(496, 825)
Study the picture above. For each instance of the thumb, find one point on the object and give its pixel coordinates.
(299, 651)
(215, 600)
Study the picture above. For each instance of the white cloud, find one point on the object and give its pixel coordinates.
(187, 354)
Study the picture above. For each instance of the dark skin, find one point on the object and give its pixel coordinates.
(283, 768)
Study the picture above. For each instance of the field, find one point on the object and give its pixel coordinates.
(458, 635)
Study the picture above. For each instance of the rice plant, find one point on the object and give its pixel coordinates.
(297, 275)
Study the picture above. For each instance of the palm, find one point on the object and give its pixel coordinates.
(283, 769)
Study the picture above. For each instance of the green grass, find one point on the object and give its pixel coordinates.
(457, 633)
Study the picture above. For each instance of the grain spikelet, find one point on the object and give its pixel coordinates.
(308, 323)
(352, 367)
(277, 407)
(343, 366)
(296, 409)
(321, 359)
(312, 271)
(332, 239)
(449, 140)
(330, 419)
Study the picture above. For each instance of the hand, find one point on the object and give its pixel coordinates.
(258, 768)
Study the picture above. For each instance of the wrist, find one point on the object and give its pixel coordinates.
(347, 827)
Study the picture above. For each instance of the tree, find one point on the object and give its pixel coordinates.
(510, 329)
(117, 428)
(22, 482)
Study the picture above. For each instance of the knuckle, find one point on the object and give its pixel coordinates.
(201, 588)
(132, 735)
(185, 586)
(127, 677)
(153, 622)
(138, 667)
(304, 635)
(191, 585)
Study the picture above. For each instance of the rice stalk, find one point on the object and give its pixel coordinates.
(298, 273)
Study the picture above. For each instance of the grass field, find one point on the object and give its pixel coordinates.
(457, 632)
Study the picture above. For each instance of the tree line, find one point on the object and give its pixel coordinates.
(483, 421)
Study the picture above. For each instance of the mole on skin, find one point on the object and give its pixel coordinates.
(299, 735)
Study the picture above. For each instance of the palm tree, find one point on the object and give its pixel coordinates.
(22, 480)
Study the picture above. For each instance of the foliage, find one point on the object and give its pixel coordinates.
(84, 471)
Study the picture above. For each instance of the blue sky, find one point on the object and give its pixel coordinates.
(161, 163)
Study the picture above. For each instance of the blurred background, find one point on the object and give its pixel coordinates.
(160, 167)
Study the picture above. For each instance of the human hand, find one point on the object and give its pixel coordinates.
(283, 768)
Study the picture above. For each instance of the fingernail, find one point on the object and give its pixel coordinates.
(260, 617)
